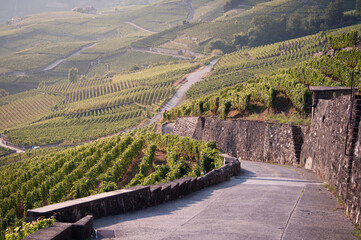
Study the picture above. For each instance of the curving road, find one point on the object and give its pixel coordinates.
(50, 66)
(173, 102)
(265, 202)
(192, 78)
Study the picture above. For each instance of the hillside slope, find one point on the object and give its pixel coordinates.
(282, 90)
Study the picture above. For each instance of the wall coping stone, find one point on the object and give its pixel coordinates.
(57, 231)
(82, 229)
(70, 203)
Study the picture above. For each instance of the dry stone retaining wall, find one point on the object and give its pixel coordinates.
(327, 152)
(331, 146)
(247, 140)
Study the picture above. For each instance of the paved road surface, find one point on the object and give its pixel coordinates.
(181, 92)
(265, 202)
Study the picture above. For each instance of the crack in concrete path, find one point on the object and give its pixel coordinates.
(293, 210)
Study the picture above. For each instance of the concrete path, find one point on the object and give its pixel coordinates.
(192, 78)
(265, 202)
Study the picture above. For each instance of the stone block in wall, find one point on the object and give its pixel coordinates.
(185, 185)
(175, 190)
(247, 140)
(138, 198)
(236, 166)
(82, 229)
(208, 179)
(189, 186)
(354, 188)
(157, 196)
(324, 147)
(224, 133)
(227, 171)
(219, 176)
(253, 140)
(189, 127)
(279, 144)
(57, 231)
(196, 184)
(166, 190)
(170, 190)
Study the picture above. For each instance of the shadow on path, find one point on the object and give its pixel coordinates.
(265, 201)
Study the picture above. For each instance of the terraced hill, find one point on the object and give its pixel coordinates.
(250, 82)
(285, 91)
(88, 109)
(30, 46)
(41, 47)
(97, 106)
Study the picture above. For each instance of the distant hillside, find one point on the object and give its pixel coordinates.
(124, 37)
(93, 43)
(254, 23)
(88, 108)
(18, 8)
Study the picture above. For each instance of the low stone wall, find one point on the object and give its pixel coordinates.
(247, 140)
(126, 200)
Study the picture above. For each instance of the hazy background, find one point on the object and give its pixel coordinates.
(12, 8)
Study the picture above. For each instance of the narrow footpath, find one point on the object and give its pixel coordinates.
(265, 201)
(139, 27)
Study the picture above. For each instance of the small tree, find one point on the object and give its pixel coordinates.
(218, 44)
(73, 75)
(240, 40)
